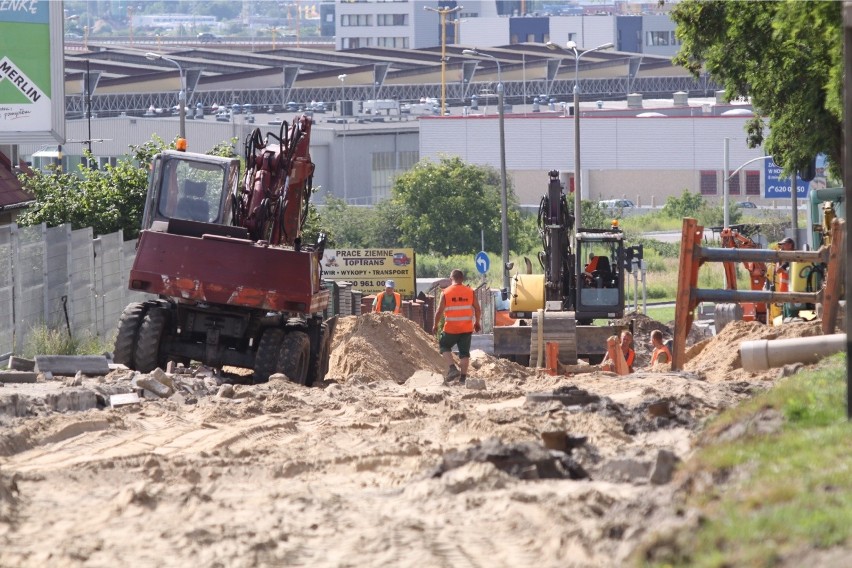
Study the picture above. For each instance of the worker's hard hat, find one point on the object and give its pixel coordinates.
(787, 240)
(389, 284)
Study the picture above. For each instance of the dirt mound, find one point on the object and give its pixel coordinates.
(718, 359)
(643, 325)
(381, 346)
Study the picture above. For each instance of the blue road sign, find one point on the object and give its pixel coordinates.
(776, 187)
(483, 263)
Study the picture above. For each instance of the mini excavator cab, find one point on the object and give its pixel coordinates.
(600, 285)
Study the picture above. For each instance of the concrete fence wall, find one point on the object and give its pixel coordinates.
(64, 279)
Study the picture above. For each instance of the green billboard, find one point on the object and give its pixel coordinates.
(32, 88)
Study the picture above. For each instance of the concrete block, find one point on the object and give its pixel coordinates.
(151, 384)
(474, 384)
(664, 467)
(18, 377)
(161, 376)
(70, 364)
(21, 364)
(76, 401)
(117, 400)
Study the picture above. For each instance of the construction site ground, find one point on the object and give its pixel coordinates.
(381, 464)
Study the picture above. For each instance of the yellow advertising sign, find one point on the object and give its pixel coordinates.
(369, 269)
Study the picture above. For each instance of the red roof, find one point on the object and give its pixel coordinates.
(11, 193)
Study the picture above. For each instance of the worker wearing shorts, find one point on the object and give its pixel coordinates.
(461, 312)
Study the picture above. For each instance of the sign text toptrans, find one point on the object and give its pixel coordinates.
(369, 269)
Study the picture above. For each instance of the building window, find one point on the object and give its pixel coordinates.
(392, 20)
(734, 184)
(397, 42)
(356, 20)
(658, 38)
(708, 182)
(355, 42)
(752, 185)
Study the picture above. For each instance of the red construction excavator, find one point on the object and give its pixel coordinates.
(236, 284)
(748, 311)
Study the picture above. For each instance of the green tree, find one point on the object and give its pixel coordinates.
(687, 205)
(447, 204)
(347, 226)
(105, 199)
(787, 56)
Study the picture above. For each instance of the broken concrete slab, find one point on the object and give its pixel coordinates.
(664, 467)
(70, 364)
(21, 364)
(19, 405)
(629, 470)
(149, 383)
(124, 399)
(474, 384)
(18, 377)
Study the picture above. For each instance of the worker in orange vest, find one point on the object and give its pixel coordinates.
(661, 353)
(389, 300)
(460, 309)
(782, 269)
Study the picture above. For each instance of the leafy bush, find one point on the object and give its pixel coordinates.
(687, 205)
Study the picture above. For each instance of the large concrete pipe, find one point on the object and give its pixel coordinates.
(763, 354)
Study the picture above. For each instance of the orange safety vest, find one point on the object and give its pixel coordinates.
(631, 356)
(783, 278)
(658, 351)
(458, 309)
(381, 295)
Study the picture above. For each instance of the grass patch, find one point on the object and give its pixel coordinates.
(43, 340)
(662, 315)
(792, 490)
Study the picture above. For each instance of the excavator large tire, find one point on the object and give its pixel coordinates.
(266, 358)
(128, 332)
(148, 355)
(295, 357)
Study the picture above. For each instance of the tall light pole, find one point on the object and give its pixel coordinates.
(342, 78)
(572, 47)
(504, 197)
(182, 96)
(443, 13)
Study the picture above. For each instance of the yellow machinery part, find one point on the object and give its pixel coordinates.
(527, 293)
(800, 271)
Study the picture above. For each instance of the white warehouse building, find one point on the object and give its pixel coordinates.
(643, 158)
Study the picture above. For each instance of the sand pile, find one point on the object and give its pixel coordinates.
(718, 359)
(381, 346)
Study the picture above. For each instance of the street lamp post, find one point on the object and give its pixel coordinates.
(572, 47)
(443, 12)
(504, 197)
(182, 96)
(342, 78)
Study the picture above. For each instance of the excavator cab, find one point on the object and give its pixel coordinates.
(600, 282)
(190, 187)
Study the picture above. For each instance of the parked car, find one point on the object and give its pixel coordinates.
(746, 205)
(207, 37)
(292, 106)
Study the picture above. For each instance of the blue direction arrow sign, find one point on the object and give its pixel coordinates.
(483, 263)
